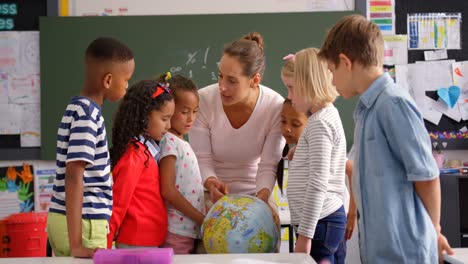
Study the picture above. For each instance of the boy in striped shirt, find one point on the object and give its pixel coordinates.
(82, 201)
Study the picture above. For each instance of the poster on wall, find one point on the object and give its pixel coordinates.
(434, 31)
(20, 86)
(16, 190)
(382, 13)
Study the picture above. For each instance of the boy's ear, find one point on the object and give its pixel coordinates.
(345, 61)
(255, 80)
(107, 80)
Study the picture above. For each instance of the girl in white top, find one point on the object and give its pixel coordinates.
(316, 181)
(237, 135)
(181, 183)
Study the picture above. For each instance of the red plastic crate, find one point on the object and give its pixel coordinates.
(24, 235)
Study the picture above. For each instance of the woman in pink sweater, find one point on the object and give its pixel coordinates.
(237, 135)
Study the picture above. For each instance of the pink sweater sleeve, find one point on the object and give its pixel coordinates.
(200, 141)
(271, 155)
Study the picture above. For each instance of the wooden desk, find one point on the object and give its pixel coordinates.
(283, 258)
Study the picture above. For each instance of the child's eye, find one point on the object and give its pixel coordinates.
(283, 121)
(232, 81)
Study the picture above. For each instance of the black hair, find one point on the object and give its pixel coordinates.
(131, 119)
(108, 49)
(280, 168)
(178, 83)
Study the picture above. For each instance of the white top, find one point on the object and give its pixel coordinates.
(245, 158)
(316, 180)
(188, 182)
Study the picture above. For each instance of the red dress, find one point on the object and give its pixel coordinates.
(139, 216)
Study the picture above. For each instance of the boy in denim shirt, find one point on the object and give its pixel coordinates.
(395, 178)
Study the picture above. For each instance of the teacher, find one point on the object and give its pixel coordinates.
(237, 135)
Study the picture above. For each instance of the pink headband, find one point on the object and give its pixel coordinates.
(289, 57)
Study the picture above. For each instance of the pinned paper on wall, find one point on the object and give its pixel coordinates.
(16, 189)
(382, 13)
(434, 31)
(396, 50)
(4, 83)
(44, 188)
(30, 125)
(24, 90)
(9, 51)
(28, 53)
(460, 78)
(20, 86)
(10, 119)
(430, 76)
(431, 55)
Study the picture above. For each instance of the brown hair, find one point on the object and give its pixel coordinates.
(249, 51)
(357, 38)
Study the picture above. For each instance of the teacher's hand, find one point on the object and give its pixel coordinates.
(216, 188)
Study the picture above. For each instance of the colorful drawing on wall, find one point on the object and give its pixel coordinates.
(16, 189)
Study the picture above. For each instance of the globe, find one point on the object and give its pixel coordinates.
(239, 224)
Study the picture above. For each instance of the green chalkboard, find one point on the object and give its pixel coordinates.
(186, 44)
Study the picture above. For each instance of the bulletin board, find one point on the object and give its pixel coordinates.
(447, 130)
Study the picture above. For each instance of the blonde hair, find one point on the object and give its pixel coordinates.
(312, 78)
(288, 69)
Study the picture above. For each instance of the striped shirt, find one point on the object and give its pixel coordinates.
(316, 182)
(82, 137)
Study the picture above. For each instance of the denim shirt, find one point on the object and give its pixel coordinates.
(392, 150)
(153, 147)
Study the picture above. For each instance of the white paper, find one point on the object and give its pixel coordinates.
(9, 51)
(396, 50)
(31, 125)
(4, 83)
(452, 113)
(10, 203)
(44, 184)
(28, 53)
(24, 89)
(431, 55)
(429, 76)
(463, 129)
(10, 119)
(427, 106)
(460, 79)
(401, 78)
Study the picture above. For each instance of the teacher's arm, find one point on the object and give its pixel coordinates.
(200, 141)
(271, 154)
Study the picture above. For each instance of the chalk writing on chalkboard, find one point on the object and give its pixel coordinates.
(197, 64)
